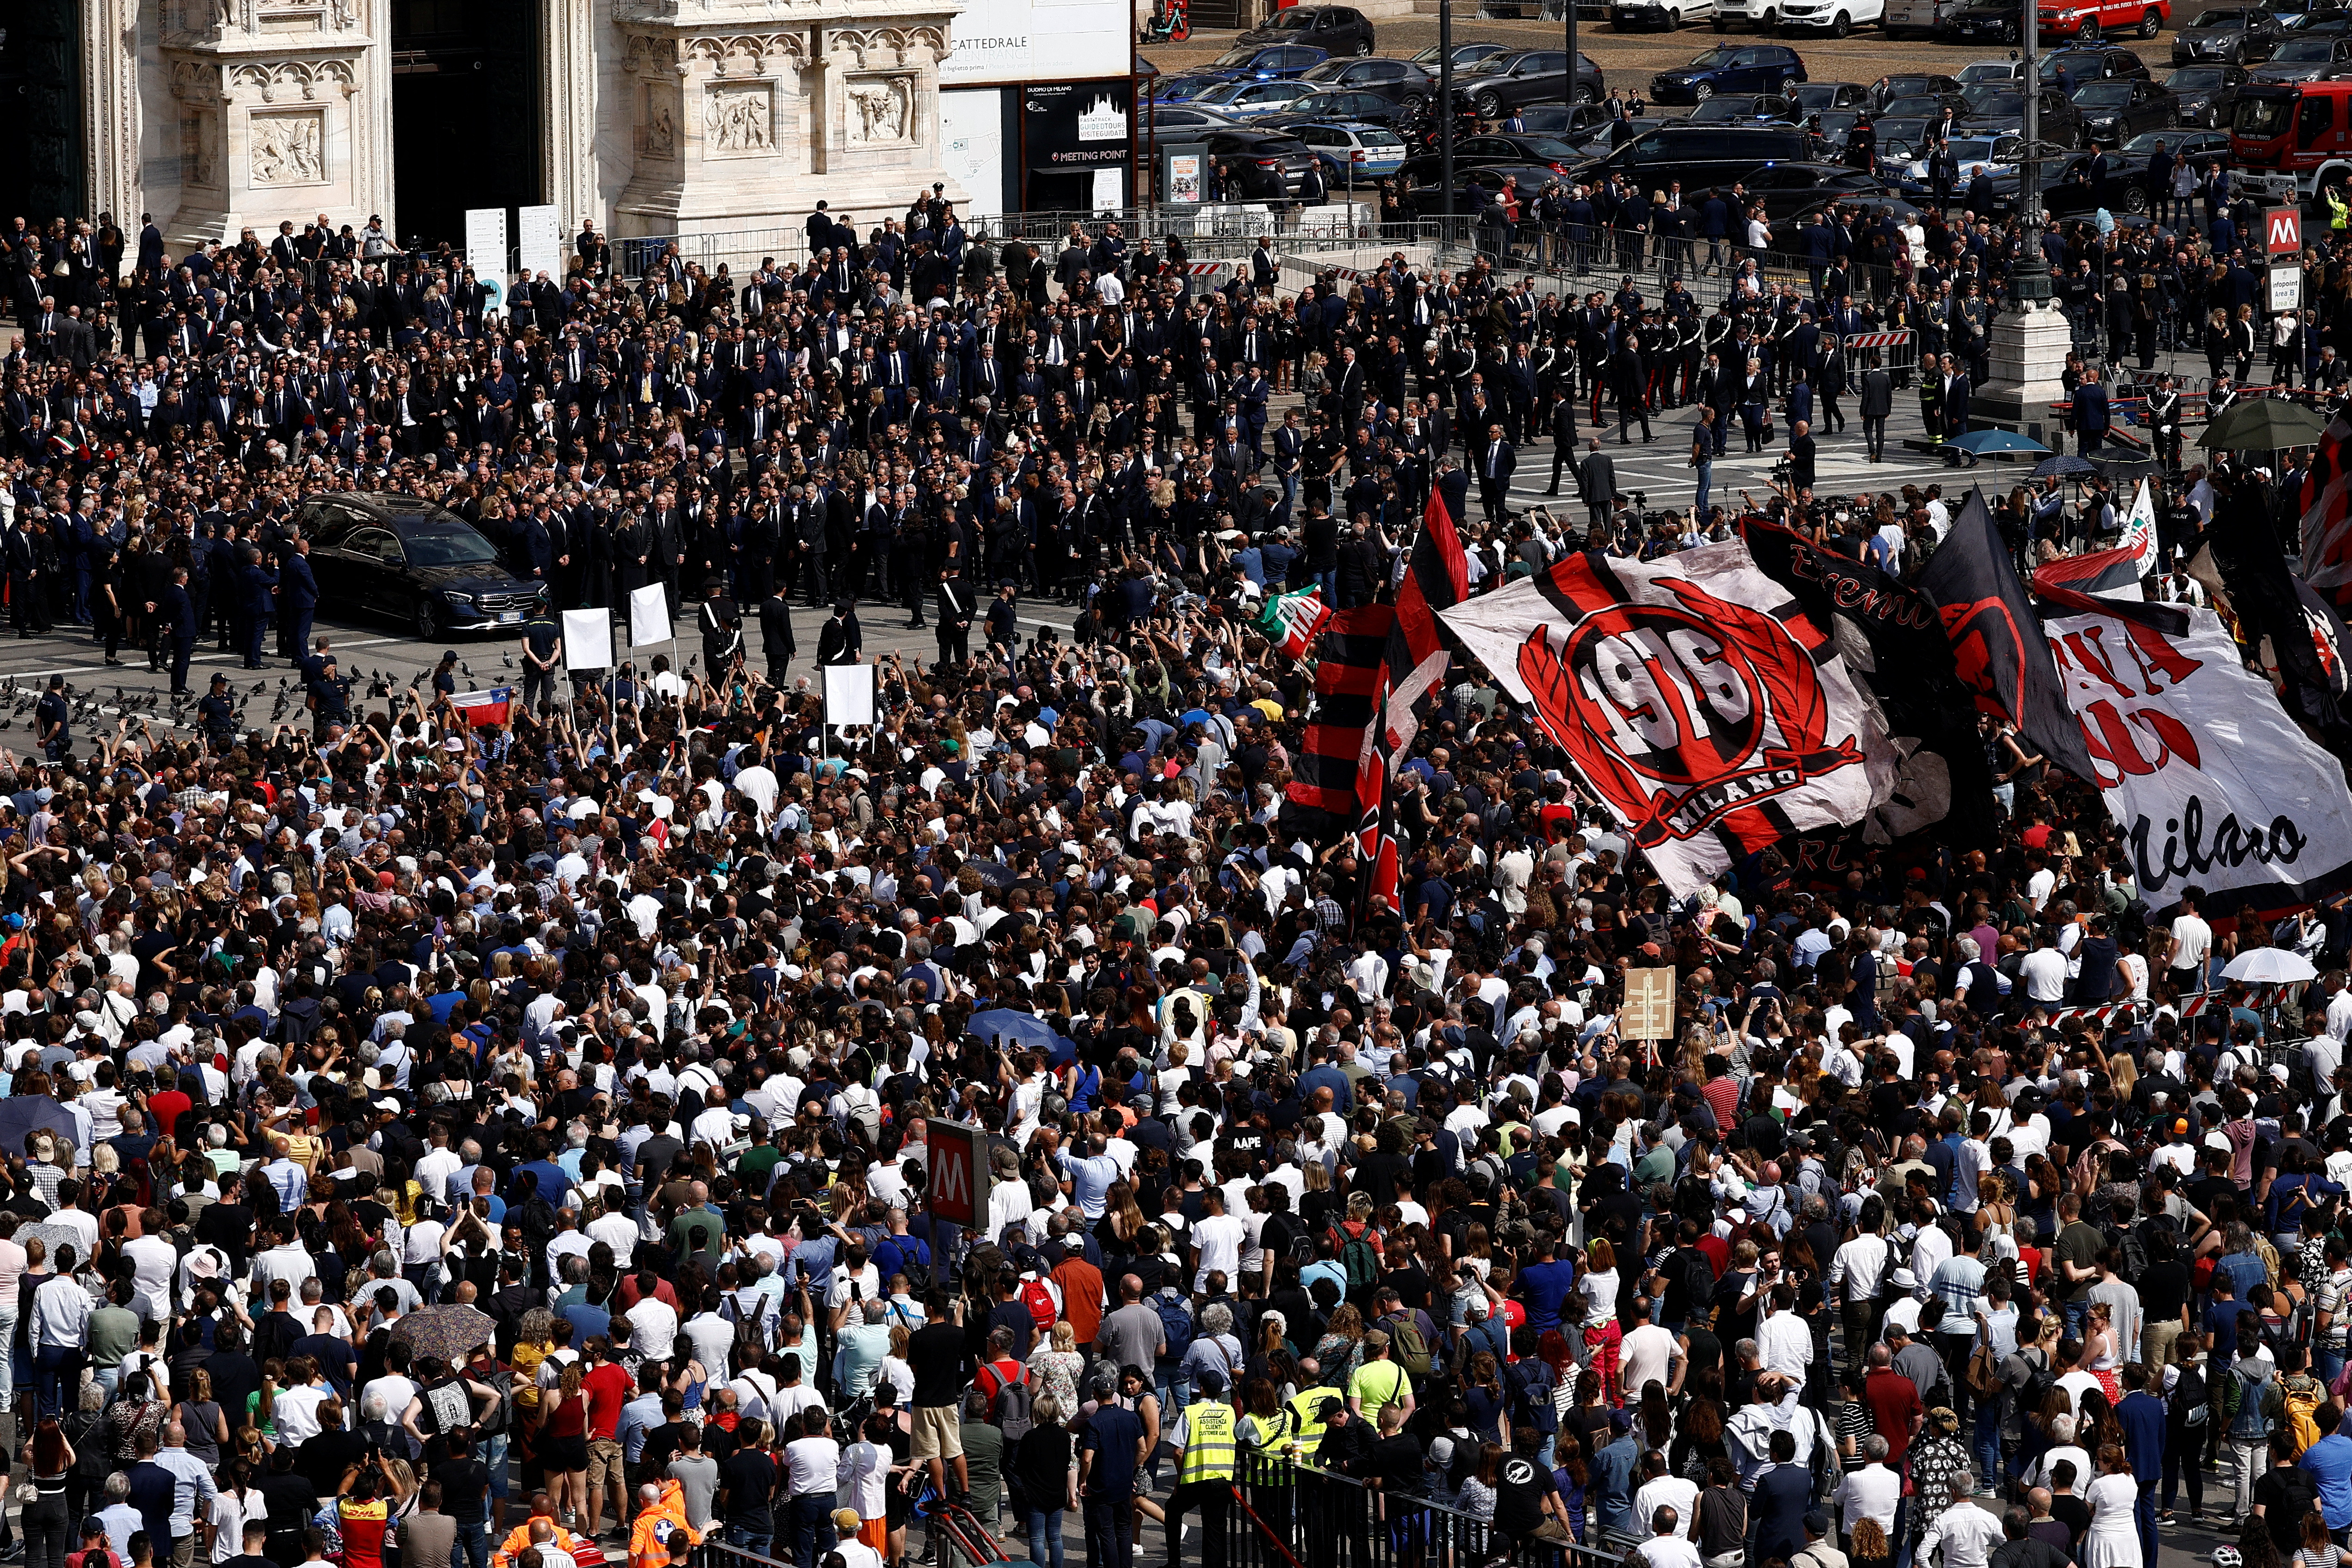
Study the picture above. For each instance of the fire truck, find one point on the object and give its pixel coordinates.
(2293, 140)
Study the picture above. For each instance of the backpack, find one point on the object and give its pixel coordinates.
(1175, 1321)
(1009, 1410)
(1530, 1384)
(2190, 1397)
(2298, 1407)
(2039, 1381)
(1357, 1259)
(1405, 1338)
(1040, 1302)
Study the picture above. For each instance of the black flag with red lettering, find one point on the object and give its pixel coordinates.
(1436, 577)
(1999, 649)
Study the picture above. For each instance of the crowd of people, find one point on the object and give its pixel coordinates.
(625, 1022)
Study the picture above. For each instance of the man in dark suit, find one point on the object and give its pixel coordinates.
(838, 641)
(298, 599)
(1876, 404)
(1953, 406)
(2090, 415)
(1783, 1494)
(1598, 475)
(1563, 444)
(1496, 461)
(776, 634)
(175, 613)
(955, 612)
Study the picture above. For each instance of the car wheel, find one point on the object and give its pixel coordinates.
(431, 624)
(1488, 106)
(1701, 93)
(2090, 31)
(1414, 103)
(1592, 94)
(2135, 201)
(1364, 47)
(2150, 24)
(1841, 25)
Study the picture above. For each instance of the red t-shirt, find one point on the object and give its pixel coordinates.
(608, 1387)
(168, 1108)
(1893, 1401)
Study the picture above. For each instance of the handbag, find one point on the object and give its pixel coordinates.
(1984, 1373)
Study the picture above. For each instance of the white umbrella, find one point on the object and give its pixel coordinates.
(2270, 966)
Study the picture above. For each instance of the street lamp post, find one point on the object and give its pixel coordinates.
(1445, 108)
(2028, 280)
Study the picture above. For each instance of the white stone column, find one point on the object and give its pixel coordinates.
(110, 108)
(568, 60)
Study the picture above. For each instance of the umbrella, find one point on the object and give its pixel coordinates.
(2264, 425)
(1027, 1028)
(2065, 465)
(1997, 444)
(2270, 966)
(2127, 467)
(445, 1333)
(22, 1114)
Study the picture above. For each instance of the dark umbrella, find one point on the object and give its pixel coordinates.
(445, 1333)
(2264, 425)
(2065, 465)
(2126, 468)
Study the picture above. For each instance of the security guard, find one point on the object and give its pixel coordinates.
(1308, 1411)
(1205, 1432)
(542, 655)
(218, 711)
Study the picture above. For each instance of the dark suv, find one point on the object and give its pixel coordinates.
(1998, 106)
(1334, 29)
(1268, 166)
(1401, 82)
(1729, 67)
(1500, 83)
(1700, 155)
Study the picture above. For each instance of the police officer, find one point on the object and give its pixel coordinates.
(330, 701)
(722, 629)
(53, 721)
(217, 712)
(955, 610)
(2164, 419)
(542, 655)
(1204, 1476)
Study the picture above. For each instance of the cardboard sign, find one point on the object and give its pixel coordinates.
(1649, 1011)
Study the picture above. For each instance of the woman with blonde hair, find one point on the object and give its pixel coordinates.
(1340, 1351)
(1055, 1366)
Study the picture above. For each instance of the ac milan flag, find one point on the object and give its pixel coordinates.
(1352, 659)
(1892, 637)
(2294, 634)
(1436, 576)
(2327, 512)
(1694, 699)
(2211, 783)
(1998, 647)
(2103, 573)
(1295, 620)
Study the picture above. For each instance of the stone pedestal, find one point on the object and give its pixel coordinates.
(742, 119)
(2028, 359)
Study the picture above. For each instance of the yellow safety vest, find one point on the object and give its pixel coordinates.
(1208, 1443)
(1306, 1408)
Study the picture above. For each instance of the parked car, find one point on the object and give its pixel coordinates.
(1926, 106)
(1738, 107)
(1869, 204)
(2306, 57)
(1334, 29)
(1786, 189)
(1184, 88)
(2067, 190)
(1926, 19)
(1352, 155)
(1470, 186)
(1996, 147)
(2088, 19)
(1266, 165)
(1809, 97)
(2000, 108)
(2091, 62)
(1514, 151)
(1278, 62)
(2115, 112)
(1700, 155)
(1991, 71)
(1174, 119)
(1464, 55)
(1404, 83)
(2208, 93)
(1572, 123)
(1500, 83)
(406, 559)
(1258, 99)
(1728, 68)
(2235, 35)
(1985, 22)
(1352, 107)
(2201, 148)
(2315, 22)
(1906, 84)
(1835, 18)
(1665, 15)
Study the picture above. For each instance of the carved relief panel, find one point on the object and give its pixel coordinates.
(288, 148)
(738, 120)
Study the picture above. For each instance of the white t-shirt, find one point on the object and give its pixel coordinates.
(2194, 942)
(1220, 1238)
(1647, 1355)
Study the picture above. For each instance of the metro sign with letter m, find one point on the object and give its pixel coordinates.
(2282, 231)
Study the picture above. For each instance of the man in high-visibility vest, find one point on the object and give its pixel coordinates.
(1204, 1435)
(1309, 1409)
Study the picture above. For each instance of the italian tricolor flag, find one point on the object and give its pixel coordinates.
(1292, 620)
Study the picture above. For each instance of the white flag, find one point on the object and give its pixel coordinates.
(2140, 530)
(588, 639)
(649, 615)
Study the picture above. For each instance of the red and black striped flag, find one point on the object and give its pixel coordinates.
(1436, 577)
(2327, 513)
(1352, 656)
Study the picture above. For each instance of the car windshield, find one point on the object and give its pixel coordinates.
(2194, 77)
(2103, 95)
(1233, 58)
(1982, 149)
(446, 544)
(1488, 66)
(1225, 94)
(2312, 50)
(1991, 99)
(1715, 111)
(1329, 70)
(1987, 70)
(2263, 116)
(1817, 95)
(1294, 21)
(2219, 20)
(1713, 59)
(1381, 139)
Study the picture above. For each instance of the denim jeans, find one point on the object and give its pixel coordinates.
(51, 1364)
(1044, 1527)
(494, 1459)
(473, 1546)
(48, 1532)
(811, 1513)
(750, 1539)
(1990, 1474)
(2326, 1364)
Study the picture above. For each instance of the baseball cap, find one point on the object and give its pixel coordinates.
(847, 1519)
